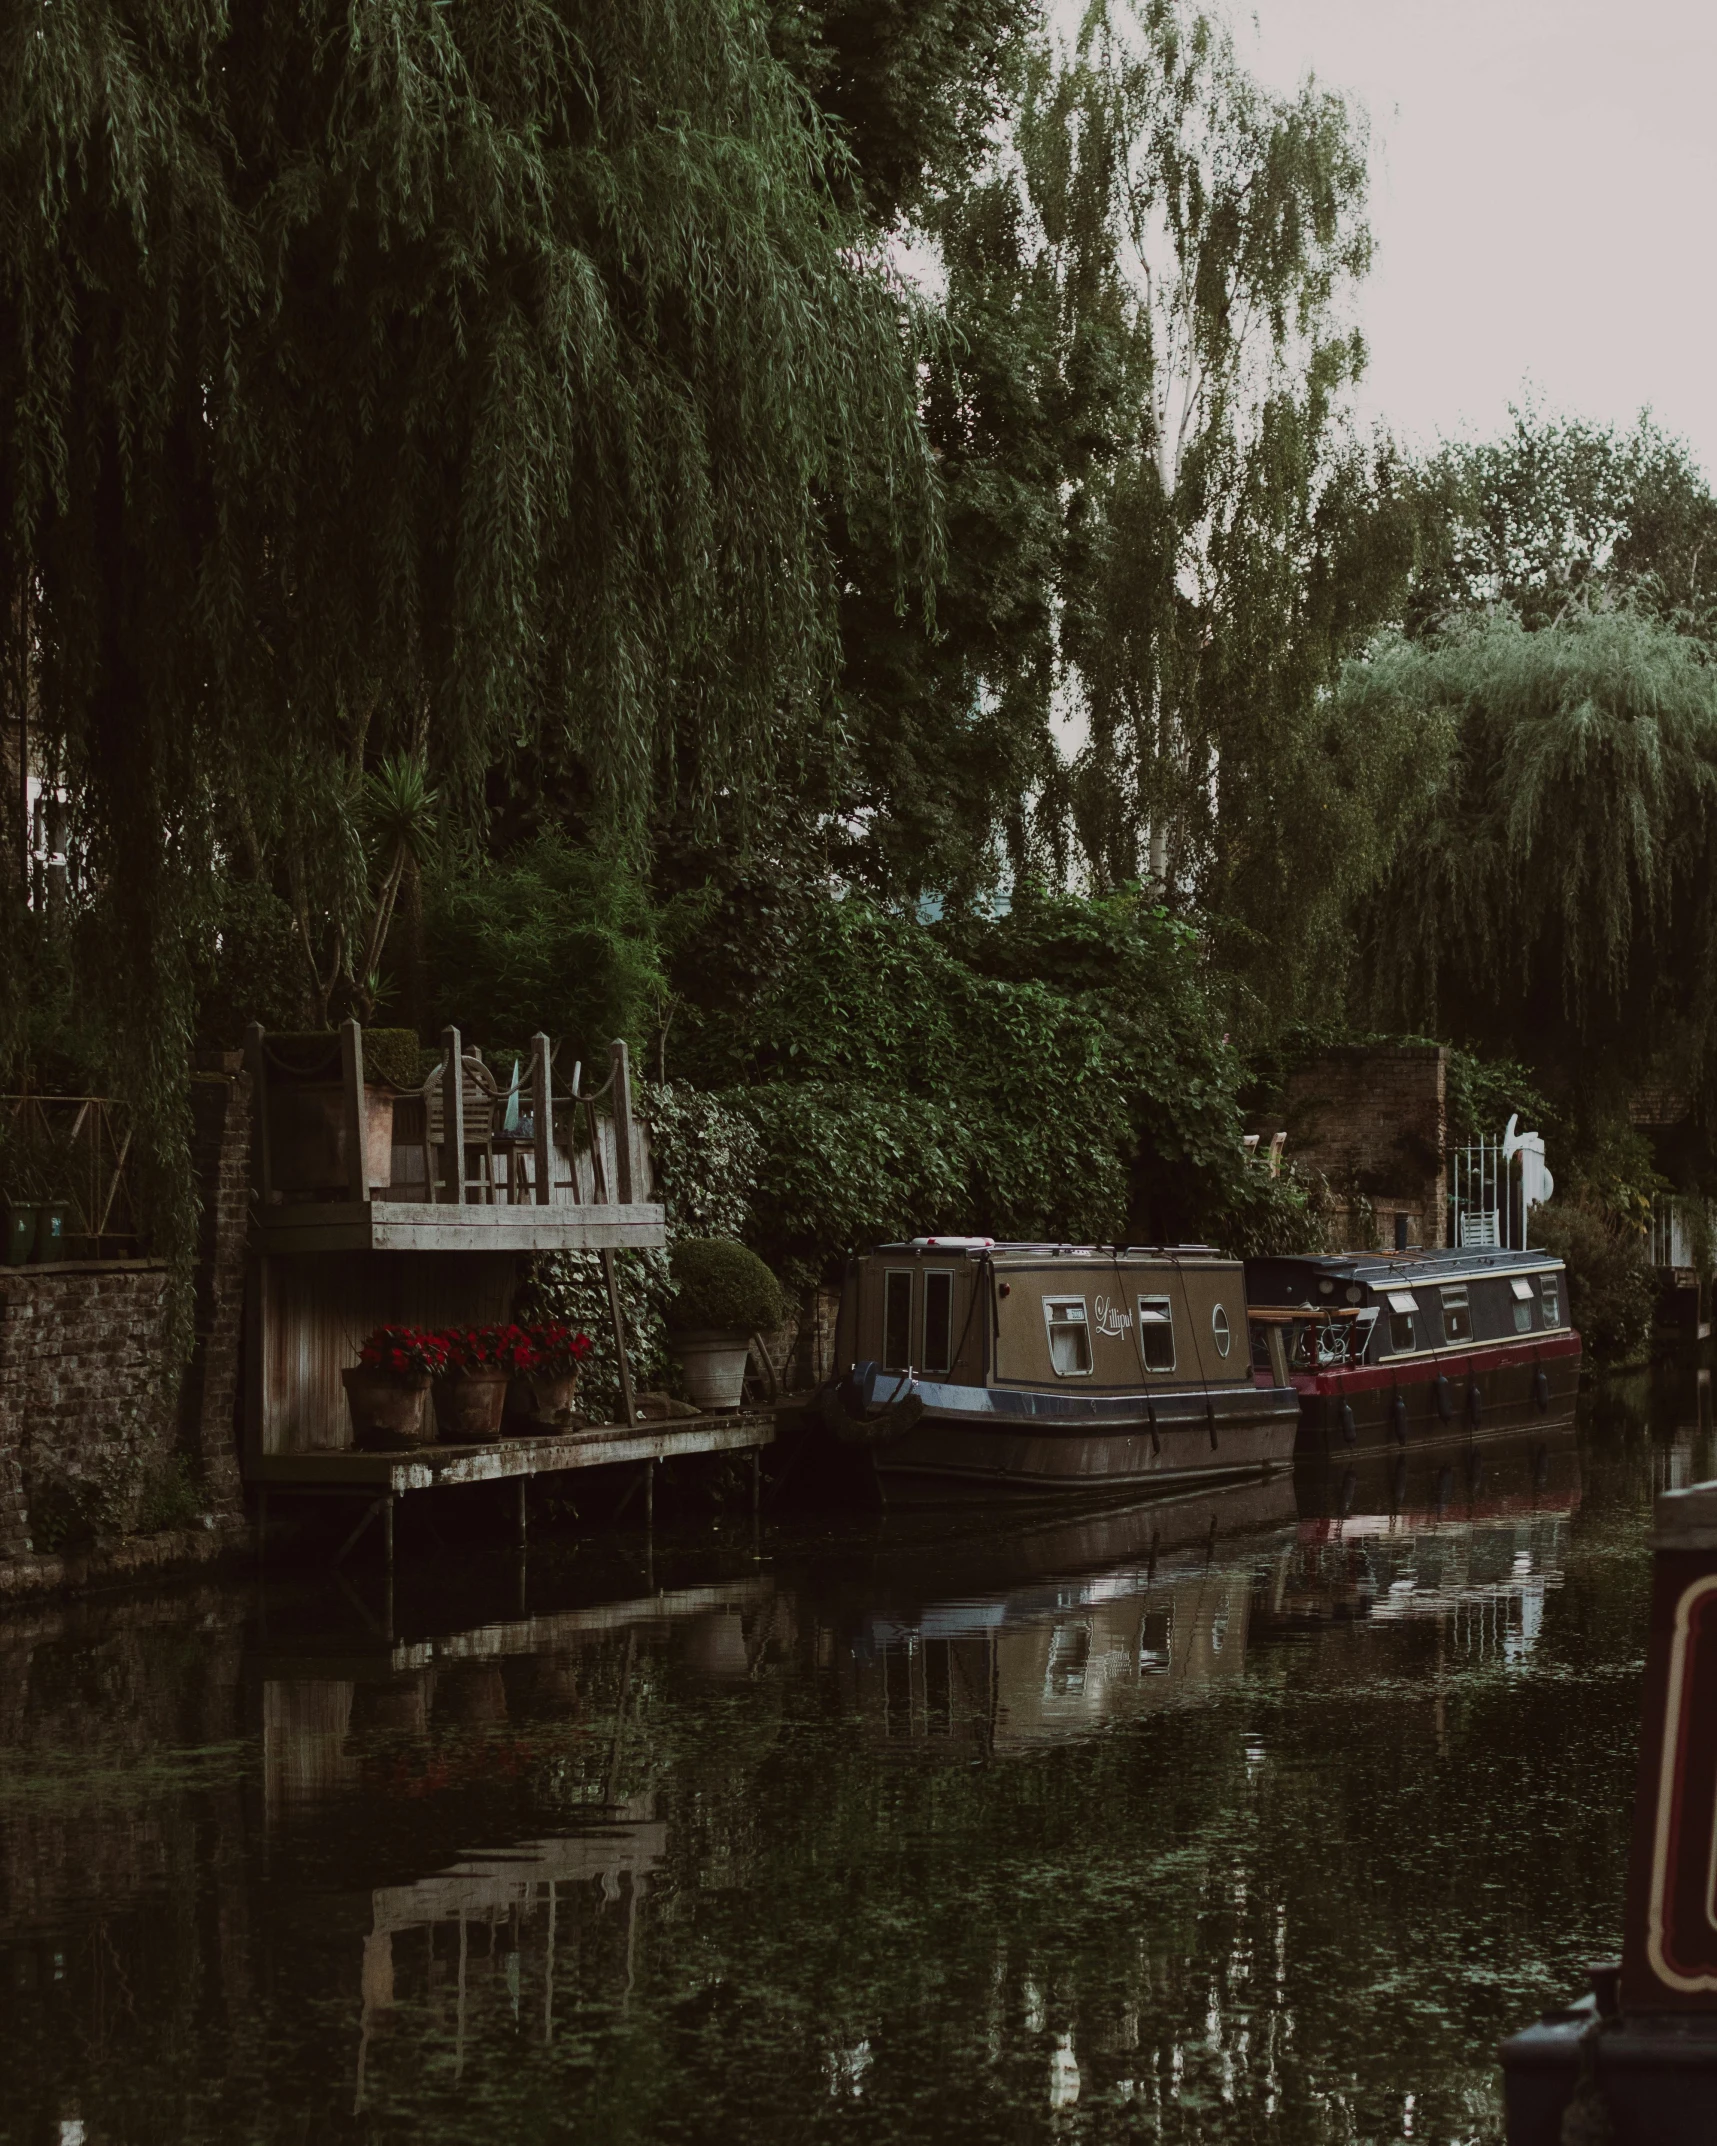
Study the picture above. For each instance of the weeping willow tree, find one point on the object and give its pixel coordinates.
(386, 379)
(1221, 577)
(1554, 896)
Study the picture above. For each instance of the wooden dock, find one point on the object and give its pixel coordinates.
(380, 1480)
(376, 1207)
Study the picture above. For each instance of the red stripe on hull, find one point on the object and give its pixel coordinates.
(1448, 1363)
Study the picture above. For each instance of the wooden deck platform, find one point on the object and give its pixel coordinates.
(602, 1445)
(385, 1225)
(380, 1480)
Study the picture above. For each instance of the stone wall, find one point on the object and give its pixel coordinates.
(98, 1427)
(85, 1414)
(1374, 1121)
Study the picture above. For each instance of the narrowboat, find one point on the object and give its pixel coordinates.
(1041, 1370)
(1397, 1350)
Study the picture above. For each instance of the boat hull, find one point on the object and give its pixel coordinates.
(1019, 1445)
(1494, 1389)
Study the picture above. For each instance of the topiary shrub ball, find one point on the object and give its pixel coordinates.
(718, 1283)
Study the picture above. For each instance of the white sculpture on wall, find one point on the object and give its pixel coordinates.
(1537, 1186)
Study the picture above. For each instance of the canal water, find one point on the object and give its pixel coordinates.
(1253, 1817)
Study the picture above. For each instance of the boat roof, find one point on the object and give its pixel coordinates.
(1402, 1269)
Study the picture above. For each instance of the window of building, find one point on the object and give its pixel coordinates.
(1457, 1314)
(1156, 1643)
(1156, 1333)
(1219, 1327)
(1552, 1288)
(938, 1321)
(897, 1319)
(1069, 1658)
(1069, 1336)
(1522, 1304)
(1402, 1334)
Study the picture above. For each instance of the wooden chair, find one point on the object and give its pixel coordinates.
(476, 1116)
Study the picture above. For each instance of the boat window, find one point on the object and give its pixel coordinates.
(1156, 1643)
(1156, 1333)
(1219, 1327)
(1522, 1304)
(1401, 1331)
(938, 1321)
(1457, 1316)
(1069, 1336)
(1552, 1287)
(897, 1320)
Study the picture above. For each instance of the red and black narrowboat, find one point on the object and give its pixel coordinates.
(1397, 1350)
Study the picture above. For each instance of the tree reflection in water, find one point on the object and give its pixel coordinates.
(1255, 1816)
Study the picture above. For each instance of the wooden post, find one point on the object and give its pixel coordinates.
(622, 1064)
(606, 1256)
(519, 1533)
(542, 1118)
(352, 1082)
(453, 1111)
(258, 1070)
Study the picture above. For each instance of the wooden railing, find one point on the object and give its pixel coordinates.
(332, 1134)
(81, 1148)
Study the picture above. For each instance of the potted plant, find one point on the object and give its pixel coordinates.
(387, 1391)
(471, 1391)
(723, 1294)
(550, 1386)
(21, 1178)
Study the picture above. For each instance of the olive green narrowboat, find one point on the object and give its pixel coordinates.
(1042, 1370)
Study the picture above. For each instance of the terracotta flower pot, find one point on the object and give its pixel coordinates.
(468, 1405)
(389, 1409)
(713, 1361)
(542, 1401)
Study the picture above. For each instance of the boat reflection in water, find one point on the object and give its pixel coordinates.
(1070, 1629)
(1065, 1629)
(1477, 1537)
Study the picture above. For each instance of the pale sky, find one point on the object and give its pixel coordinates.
(1544, 199)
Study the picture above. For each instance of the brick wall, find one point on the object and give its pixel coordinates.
(208, 1401)
(1374, 1121)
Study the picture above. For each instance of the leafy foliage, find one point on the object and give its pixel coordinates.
(550, 937)
(1611, 1289)
(1551, 898)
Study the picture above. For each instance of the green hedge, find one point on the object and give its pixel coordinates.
(718, 1283)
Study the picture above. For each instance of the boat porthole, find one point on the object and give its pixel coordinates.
(1445, 1398)
(1219, 1327)
(1541, 1389)
(1349, 1429)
